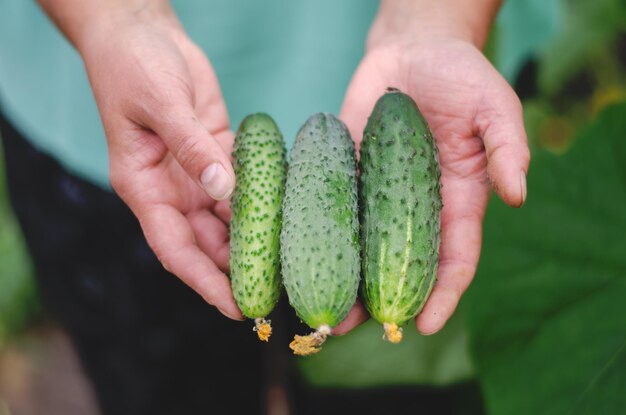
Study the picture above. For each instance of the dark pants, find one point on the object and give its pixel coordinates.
(148, 343)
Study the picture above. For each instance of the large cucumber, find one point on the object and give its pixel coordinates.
(260, 170)
(401, 209)
(319, 239)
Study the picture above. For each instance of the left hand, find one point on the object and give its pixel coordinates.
(169, 140)
(477, 121)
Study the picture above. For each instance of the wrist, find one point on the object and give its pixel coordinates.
(80, 21)
(410, 20)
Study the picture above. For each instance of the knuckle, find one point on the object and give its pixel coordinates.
(166, 260)
(118, 182)
(498, 148)
(517, 103)
(205, 288)
(189, 152)
(166, 265)
(457, 278)
(526, 156)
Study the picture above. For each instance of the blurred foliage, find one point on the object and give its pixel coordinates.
(566, 69)
(18, 298)
(523, 28)
(563, 37)
(586, 43)
(363, 359)
(547, 307)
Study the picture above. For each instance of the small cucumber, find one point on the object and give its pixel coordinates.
(401, 210)
(260, 170)
(319, 239)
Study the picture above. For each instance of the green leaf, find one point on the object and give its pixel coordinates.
(362, 359)
(589, 27)
(18, 297)
(547, 310)
(524, 28)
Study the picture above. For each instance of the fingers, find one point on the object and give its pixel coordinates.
(196, 150)
(357, 316)
(212, 237)
(222, 211)
(170, 236)
(501, 127)
(461, 233)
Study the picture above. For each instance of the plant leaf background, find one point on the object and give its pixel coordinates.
(547, 307)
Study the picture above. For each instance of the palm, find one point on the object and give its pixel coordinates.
(461, 96)
(185, 208)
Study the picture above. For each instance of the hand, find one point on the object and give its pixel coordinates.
(169, 142)
(477, 121)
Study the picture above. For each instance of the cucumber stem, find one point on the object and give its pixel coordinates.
(306, 345)
(393, 333)
(263, 328)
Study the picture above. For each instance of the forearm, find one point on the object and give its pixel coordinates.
(466, 19)
(77, 18)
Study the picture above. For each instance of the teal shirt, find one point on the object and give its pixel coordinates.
(287, 58)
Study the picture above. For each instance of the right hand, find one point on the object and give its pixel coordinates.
(431, 51)
(169, 142)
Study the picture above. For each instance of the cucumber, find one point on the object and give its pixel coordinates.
(320, 235)
(260, 170)
(401, 211)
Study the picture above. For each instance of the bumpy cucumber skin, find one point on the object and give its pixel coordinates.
(320, 235)
(401, 210)
(260, 169)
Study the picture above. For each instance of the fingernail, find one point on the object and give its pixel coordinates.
(429, 333)
(217, 182)
(523, 186)
(230, 315)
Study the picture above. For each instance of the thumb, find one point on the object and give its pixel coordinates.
(364, 90)
(196, 149)
(501, 125)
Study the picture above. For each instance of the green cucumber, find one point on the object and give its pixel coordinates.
(260, 170)
(320, 235)
(401, 211)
